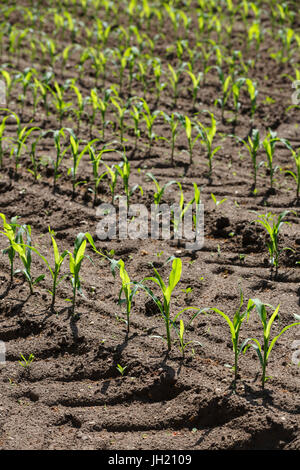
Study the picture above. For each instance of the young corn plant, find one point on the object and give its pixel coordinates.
(26, 363)
(159, 86)
(273, 226)
(112, 172)
(264, 349)
(196, 80)
(121, 112)
(94, 102)
(58, 100)
(187, 124)
(24, 249)
(174, 82)
(13, 232)
(207, 135)
(99, 61)
(128, 291)
(182, 344)
(149, 119)
(136, 114)
(75, 263)
(81, 102)
(96, 160)
(226, 90)
(76, 158)
(236, 91)
(20, 143)
(121, 369)
(43, 86)
(25, 79)
(178, 212)
(235, 327)
(253, 92)
(142, 76)
(216, 202)
(269, 145)
(166, 290)
(295, 174)
(103, 107)
(159, 189)
(60, 153)
(10, 82)
(173, 122)
(34, 159)
(253, 146)
(124, 171)
(2, 138)
(54, 272)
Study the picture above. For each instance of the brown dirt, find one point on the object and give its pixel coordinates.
(72, 396)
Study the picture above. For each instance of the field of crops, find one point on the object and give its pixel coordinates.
(140, 342)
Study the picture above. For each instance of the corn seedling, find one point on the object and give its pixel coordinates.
(157, 70)
(113, 173)
(121, 369)
(254, 34)
(226, 90)
(217, 203)
(273, 226)
(80, 104)
(75, 263)
(9, 83)
(26, 363)
(159, 189)
(124, 171)
(187, 124)
(253, 146)
(121, 111)
(2, 138)
(136, 116)
(207, 135)
(295, 174)
(25, 80)
(76, 158)
(236, 90)
(98, 64)
(58, 100)
(235, 326)
(181, 333)
(20, 141)
(43, 87)
(57, 135)
(103, 106)
(196, 80)
(96, 159)
(264, 349)
(149, 119)
(173, 122)
(128, 291)
(24, 251)
(12, 231)
(54, 272)
(253, 92)
(166, 291)
(269, 145)
(33, 158)
(179, 212)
